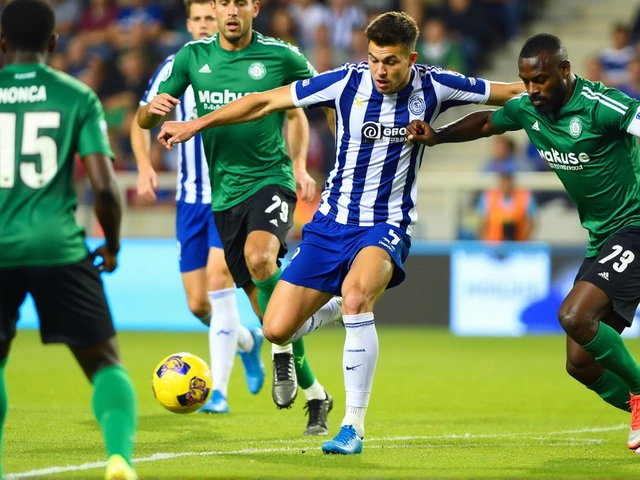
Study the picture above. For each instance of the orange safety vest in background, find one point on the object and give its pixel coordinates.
(500, 213)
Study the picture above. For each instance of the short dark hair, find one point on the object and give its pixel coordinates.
(393, 28)
(544, 43)
(188, 3)
(28, 25)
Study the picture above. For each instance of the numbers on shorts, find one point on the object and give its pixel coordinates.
(278, 203)
(395, 239)
(624, 258)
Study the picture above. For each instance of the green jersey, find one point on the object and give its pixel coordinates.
(242, 158)
(589, 146)
(45, 118)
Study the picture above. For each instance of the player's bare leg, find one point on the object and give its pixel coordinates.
(370, 273)
(582, 315)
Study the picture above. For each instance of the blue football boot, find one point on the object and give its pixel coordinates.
(346, 442)
(216, 404)
(253, 366)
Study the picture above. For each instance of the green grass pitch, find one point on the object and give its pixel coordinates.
(442, 407)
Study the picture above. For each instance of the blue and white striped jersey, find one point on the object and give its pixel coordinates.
(193, 183)
(374, 177)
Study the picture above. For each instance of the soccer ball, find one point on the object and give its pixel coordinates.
(182, 382)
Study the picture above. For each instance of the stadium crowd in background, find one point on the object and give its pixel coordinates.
(114, 45)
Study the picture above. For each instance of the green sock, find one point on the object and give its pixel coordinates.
(116, 409)
(610, 352)
(4, 405)
(303, 370)
(612, 390)
(265, 289)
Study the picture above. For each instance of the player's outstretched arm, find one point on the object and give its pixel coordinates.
(298, 142)
(153, 113)
(107, 206)
(246, 109)
(501, 93)
(473, 126)
(147, 177)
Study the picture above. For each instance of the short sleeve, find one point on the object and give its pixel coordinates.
(453, 89)
(321, 90)
(297, 66)
(163, 71)
(616, 111)
(176, 79)
(93, 137)
(506, 118)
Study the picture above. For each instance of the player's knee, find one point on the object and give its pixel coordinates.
(582, 369)
(199, 307)
(571, 319)
(274, 334)
(258, 261)
(354, 302)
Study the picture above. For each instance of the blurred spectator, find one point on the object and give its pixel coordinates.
(632, 86)
(283, 27)
(593, 69)
(507, 212)
(505, 15)
(344, 17)
(308, 15)
(67, 19)
(139, 23)
(467, 23)
(436, 48)
(505, 157)
(88, 68)
(615, 59)
(95, 23)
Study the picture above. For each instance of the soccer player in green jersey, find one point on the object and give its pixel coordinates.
(253, 181)
(45, 118)
(586, 132)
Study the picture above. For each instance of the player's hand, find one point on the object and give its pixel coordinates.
(421, 132)
(306, 183)
(147, 184)
(109, 258)
(175, 132)
(163, 104)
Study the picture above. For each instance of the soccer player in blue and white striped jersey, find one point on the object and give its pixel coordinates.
(207, 281)
(361, 234)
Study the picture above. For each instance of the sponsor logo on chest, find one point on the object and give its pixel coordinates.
(212, 100)
(564, 161)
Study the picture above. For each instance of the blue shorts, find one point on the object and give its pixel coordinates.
(196, 232)
(328, 248)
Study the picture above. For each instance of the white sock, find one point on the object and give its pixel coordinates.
(245, 339)
(315, 392)
(330, 312)
(359, 365)
(223, 336)
(281, 349)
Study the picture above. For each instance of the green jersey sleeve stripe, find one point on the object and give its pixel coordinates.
(603, 101)
(598, 94)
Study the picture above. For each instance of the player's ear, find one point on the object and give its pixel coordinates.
(412, 58)
(565, 67)
(256, 8)
(53, 41)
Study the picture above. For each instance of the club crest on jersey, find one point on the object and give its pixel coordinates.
(374, 131)
(575, 127)
(417, 105)
(257, 70)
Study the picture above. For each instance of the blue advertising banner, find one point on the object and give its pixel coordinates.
(145, 292)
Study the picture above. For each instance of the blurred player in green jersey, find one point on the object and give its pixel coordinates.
(586, 132)
(45, 118)
(253, 181)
